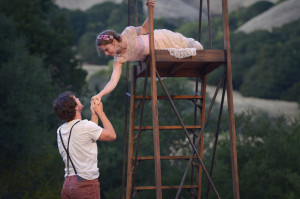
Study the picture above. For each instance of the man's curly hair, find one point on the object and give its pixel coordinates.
(64, 106)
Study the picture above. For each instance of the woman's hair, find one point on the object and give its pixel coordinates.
(64, 106)
(106, 37)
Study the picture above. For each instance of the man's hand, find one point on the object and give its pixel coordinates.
(98, 108)
(94, 117)
(108, 133)
(92, 108)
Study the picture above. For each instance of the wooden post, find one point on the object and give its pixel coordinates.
(235, 179)
(131, 135)
(154, 107)
(202, 120)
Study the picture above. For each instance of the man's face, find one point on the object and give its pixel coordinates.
(79, 105)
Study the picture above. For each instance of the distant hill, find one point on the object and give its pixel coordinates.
(188, 10)
(81, 4)
(276, 16)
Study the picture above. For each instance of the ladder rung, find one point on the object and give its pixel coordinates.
(183, 157)
(173, 97)
(166, 187)
(168, 127)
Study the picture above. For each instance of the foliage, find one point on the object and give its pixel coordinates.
(78, 21)
(264, 64)
(269, 75)
(36, 63)
(26, 121)
(47, 35)
(87, 49)
(241, 16)
(267, 150)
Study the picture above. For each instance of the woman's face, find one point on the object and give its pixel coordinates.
(108, 49)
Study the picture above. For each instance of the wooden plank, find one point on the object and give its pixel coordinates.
(202, 56)
(165, 187)
(168, 66)
(178, 97)
(183, 157)
(169, 127)
(176, 66)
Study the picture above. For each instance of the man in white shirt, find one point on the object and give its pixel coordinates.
(76, 140)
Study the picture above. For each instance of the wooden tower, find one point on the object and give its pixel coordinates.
(161, 64)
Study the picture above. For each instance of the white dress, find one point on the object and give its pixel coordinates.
(138, 45)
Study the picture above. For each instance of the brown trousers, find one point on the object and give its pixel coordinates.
(88, 189)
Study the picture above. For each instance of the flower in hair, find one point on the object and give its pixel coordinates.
(105, 37)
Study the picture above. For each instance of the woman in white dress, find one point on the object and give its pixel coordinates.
(133, 45)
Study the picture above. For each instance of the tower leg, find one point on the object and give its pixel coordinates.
(155, 131)
(131, 135)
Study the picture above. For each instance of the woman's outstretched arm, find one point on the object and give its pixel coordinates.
(145, 26)
(111, 85)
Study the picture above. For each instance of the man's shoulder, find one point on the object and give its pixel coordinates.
(89, 123)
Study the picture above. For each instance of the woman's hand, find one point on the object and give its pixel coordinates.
(97, 98)
(150, 2)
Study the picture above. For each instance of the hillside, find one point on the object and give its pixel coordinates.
(187, 9)
(79, 4)
(276, 16)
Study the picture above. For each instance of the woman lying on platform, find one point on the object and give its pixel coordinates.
(133, 45)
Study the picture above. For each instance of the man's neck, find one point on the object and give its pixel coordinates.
(77, 116)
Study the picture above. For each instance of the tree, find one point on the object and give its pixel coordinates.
(26, 121)
(36, 58)
(49, 36)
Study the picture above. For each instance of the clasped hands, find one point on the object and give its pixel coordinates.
(96, 106)
(96, 98)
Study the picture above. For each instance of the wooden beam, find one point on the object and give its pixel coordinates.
(166, 187)
(202, 56)
(177, 97)
(176, 66)
(154, 107)
(183, 157)
(131, 135)
(169, 127)
(234, 165)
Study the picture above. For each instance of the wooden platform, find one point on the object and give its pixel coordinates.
(168, 66)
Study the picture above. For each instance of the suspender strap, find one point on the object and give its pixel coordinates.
(67, 149)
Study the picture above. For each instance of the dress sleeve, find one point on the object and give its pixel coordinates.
(130, 34)
(132, 31)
